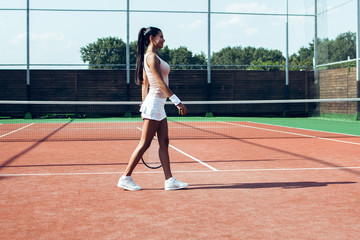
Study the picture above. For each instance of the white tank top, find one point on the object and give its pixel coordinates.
(154, 89)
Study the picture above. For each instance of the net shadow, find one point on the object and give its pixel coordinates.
(12, 159)
(323, 162)
(283, 185)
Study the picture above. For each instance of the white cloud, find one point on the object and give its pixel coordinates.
(68, 45)
(19, 38)
(193, 25)
(196, 24)
(232, 21)
(39, 37)
(247, 7)
(251, 31)
(239, 20)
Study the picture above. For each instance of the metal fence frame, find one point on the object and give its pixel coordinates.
(209, 13)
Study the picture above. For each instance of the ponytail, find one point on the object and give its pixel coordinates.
(143, 41)
(140, 57)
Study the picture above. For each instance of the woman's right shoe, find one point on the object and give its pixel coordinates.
(126, 182)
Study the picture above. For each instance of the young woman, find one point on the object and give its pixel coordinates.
(152, 73)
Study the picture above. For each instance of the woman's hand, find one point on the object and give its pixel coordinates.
(182, 109)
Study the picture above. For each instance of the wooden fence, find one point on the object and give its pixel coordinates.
(339, 83)
(189, 85)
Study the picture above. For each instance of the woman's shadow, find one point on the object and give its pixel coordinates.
(284, 185)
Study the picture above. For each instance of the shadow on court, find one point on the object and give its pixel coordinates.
(284, 185)
(296, 155)
(12, 159)
(65, 165)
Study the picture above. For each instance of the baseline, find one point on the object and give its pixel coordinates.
(194, 171)
(286, 132)
(17, 130)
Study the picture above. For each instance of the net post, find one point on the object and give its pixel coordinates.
(287, 97)
(208, 108)
(316, 94)
(128, 112)
(28, 97)
(27, 113)
(286, 108)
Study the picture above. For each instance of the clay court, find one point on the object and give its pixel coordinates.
(247, 181)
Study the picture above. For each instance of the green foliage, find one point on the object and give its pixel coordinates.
(183, 56)
(303, 59)
(164, 54)
(268, 65)
(133, 52)
(247, 56)
(339, 49)
(110, 53)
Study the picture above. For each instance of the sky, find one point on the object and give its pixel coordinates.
(57, 36)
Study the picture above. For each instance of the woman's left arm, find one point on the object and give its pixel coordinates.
(144, 86)
(154, 65)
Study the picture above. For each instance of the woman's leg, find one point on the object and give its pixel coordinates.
(163, 138)
(148, 132)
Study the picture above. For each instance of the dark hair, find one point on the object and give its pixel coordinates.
(143, 41)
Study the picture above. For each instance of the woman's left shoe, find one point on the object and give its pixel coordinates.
(173, 184)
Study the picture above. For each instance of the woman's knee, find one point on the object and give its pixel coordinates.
(164, 142)
(143, 146)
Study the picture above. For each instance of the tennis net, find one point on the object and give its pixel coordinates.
(96, 121)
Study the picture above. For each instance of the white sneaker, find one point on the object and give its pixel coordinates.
(127, 183)
(173, 184)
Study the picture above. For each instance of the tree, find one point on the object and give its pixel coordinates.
(164, 54)
(267, 65)
(110, 53)
(183, 56)
(303, 59)
(105, 53)
(343, 46)
(247, 56)
(339, 49)
(133, 52)
(229, 56)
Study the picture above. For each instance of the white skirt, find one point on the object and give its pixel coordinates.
(153, 108)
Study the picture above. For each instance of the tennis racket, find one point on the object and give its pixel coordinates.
(151, 157)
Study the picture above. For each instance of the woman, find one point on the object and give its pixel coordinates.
(155, 91)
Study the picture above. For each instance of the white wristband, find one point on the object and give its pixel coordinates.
(175, 100)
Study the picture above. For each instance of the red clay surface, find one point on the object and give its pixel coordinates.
(268, 185)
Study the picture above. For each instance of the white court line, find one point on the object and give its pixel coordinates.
(188, 155)
(346, 134)
(193, 158)
(16, 130)
(195, 171)
(291, 133)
